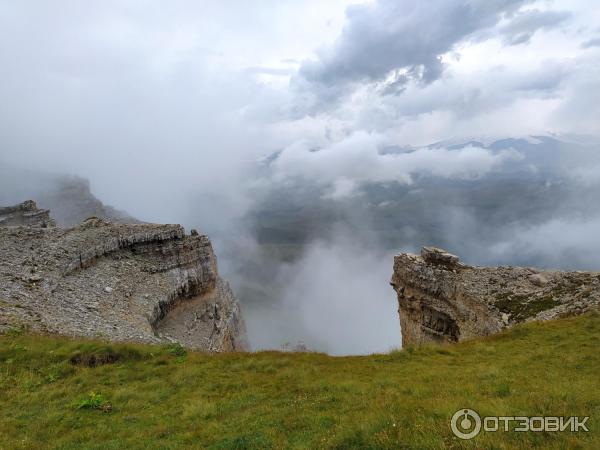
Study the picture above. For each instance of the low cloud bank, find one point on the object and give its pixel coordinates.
(335, 299)
(358, 159)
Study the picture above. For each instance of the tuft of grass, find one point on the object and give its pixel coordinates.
(92, 355)
(166, 398)
(16, 330)
(503, 389)
(176, 349)
(94, 401)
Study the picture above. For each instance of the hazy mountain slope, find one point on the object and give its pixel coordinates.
(69, 198)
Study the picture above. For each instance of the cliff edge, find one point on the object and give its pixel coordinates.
(122, 282)
(441, 299)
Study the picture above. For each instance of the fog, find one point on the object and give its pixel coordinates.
(336, 298)
(314, 140)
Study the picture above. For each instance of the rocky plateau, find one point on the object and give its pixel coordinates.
(441, 299)
(122, 282)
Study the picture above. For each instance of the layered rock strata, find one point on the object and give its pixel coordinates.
(441, 299)
(122, 282)
(26, 214)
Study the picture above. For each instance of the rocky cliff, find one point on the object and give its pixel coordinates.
(123, 282)
(443, 300)
(26, 214)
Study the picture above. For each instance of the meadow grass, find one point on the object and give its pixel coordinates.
(71, 394)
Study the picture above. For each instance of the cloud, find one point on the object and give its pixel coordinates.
(275, 71)
(482, 91)
(358, 159)
(563, 243)
(591, 43)
(408, 37)
(525, 24)
(158, 103)
(337, 299)
(580, 107)
(587, 175)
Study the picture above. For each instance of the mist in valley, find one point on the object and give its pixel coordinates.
(309, 158)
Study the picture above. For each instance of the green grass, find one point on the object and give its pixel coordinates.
(62, 393)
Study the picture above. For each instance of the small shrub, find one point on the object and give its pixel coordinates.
(94, 401)
(176, 349)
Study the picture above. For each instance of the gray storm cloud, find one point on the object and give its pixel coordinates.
(410, 37)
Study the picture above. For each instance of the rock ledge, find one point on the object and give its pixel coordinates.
(441, 299)
(123, 282)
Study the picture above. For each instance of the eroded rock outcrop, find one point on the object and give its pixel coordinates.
(26, 214)
(443, 300)
(123, 282)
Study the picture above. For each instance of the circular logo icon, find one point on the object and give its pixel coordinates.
(465, 424)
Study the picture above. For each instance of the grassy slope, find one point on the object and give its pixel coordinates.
(281, 400)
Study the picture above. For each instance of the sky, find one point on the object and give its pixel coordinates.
(164, 93)
(169, 107)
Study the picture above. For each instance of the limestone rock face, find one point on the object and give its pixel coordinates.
(441, 299)
(122, 282)
(26, 214)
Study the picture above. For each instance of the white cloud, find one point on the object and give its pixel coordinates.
(358, 159)
(564, 243)
(337, 300)
(374, 77)
(521, 28)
